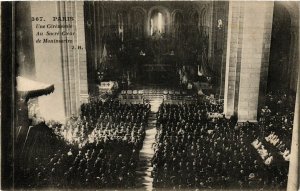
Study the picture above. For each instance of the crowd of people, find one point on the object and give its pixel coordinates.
(101, 149)
(276, 121)
(108, 165)
(195, 150)
(196, 147)
(100, 121)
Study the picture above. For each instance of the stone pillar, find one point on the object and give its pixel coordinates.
(81, 52)
(255, 56)
(211, 31)
(293, 176)
(248, 47)
(233, 56)
(74, 56)
(294, 170)
(62, 63)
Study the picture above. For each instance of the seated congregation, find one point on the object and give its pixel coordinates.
(195, 147)
(194, 150)
(99, 149)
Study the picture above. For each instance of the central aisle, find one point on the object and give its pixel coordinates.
(145, 168)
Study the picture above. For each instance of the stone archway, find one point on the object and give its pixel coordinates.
(167, 18)
(280, 62)
(177, 23)
(138, 19)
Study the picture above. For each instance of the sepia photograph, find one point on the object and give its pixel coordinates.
(150, 95)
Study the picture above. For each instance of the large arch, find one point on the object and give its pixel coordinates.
(174, 12)
(132, 18)
(165, 13)
(204, 16)
(293, 9)
(278, 70)
(194, 16)
(177, 22)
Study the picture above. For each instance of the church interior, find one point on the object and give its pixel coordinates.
(151, 95)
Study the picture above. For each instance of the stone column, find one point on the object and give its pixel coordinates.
(293, 176)
(248, 47)
(83, 92)
(255, 56)
(211, 31)
(62, 63)
(233, 57)
(74, 56)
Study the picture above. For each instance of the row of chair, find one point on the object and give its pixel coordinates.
(153, 91)
(154, 96)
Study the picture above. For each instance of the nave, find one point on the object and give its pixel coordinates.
(152, 95)
(181, 146)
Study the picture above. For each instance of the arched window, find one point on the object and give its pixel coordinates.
(194, 23)
(157, 24)
(204, 22)
(178, 22)
(195, 19)
(137, 23)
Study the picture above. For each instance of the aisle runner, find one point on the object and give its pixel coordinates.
(144, 170)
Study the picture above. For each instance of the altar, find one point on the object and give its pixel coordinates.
(160, 67)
